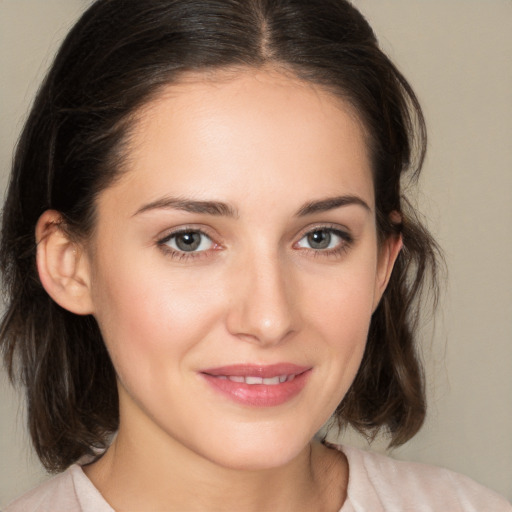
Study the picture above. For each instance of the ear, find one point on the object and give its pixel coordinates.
(62, 265)
(388, 253)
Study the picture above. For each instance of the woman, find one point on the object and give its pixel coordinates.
(208, 255)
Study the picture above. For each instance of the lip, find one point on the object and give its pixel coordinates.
(261, 394)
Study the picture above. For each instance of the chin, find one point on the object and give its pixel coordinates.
(262, 461)
(258, 452)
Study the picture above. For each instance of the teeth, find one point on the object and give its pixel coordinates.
(270, 381)
(253, 380)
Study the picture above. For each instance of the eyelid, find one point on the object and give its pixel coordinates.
(163, 238)
(172, 242)
(343, 231)
(347, 240)
(187, 228)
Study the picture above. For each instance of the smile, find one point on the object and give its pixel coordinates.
(258, 386)
(269, 381)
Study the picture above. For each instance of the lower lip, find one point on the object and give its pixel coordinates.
(259, 395)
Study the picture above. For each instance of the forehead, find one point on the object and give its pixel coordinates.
(227, 133)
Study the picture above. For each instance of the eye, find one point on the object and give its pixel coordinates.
(324, 239)
(188, 241)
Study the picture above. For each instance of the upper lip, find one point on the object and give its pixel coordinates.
(257, 370)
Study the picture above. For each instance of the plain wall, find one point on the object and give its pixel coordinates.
(457, 56)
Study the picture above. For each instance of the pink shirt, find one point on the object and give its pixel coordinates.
(376, 484)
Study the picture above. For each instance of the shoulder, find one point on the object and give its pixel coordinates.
(71, 491)
(56, 491)
(383, 483)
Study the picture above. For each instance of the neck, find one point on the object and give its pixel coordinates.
(133, 479)
(147, 469)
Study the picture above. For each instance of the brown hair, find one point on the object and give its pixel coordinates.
(115, 59)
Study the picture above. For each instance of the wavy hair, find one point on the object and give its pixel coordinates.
(115, 59)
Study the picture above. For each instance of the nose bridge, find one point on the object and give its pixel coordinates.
(263, 310)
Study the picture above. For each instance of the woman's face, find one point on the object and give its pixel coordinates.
(239, 245)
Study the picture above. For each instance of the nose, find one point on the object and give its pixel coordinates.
(264, 308)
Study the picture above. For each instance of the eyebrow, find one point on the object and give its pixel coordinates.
(218, 208)
(331, 203)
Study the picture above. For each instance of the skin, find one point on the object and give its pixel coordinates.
(256, 292)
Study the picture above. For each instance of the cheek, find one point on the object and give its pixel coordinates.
(340, 313)
(342, 301)
(148, 315)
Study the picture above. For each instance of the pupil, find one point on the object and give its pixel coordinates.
(319, 239)
(188, 241)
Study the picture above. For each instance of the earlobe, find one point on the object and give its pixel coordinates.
(62, 266)
(389, 252)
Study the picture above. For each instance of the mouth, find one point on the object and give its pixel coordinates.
(258, 386)
(251, 380)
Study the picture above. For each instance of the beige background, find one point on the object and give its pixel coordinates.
(458, 56)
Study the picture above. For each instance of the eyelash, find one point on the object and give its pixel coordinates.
(184, 255)
(346, 242)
